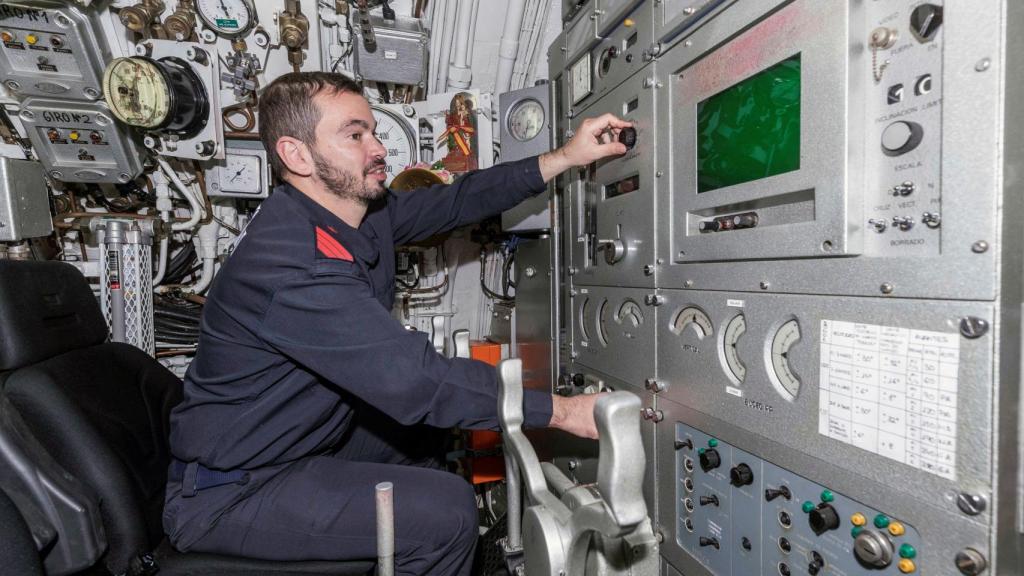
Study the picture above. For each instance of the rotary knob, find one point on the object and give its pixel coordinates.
(823, 518)
(709, 460)
(741, 475)
(901, 137)
(873, 549)
(628, 137)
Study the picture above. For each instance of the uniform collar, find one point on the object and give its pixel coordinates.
(354, 240)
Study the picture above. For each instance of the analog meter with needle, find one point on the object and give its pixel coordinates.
(395, 134)
(243, 173)
(525, 120)
(786, 382)
(695, 318)
(163, 95)
(629, 316)
(734, 330)
(228, 18)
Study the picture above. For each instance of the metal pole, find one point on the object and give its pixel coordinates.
(515, 505)
(385, 529)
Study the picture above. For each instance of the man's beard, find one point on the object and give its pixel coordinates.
(345, 184)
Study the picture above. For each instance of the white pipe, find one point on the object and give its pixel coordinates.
(193, 202)
(451, 8)
(207, 239)
(509, 47)
(460, 76)
(162, 266)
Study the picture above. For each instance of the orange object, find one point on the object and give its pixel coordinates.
(484, 469)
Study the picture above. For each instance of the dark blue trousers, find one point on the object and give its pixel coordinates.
(323, 507)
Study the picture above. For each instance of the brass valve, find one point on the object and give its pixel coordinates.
(182, 22)
(294, 28)
(139, 17)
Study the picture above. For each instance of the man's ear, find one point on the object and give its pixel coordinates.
(295, 155)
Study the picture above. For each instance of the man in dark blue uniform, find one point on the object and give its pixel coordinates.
(305, 392)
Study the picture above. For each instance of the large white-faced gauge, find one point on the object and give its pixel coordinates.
(734, 330)
(695, 318)
(163, 95)
(228, 18)
(526, 120)
(786, 382)
(394, 133)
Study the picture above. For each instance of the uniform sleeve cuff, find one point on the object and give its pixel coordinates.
(536, 409)
(528, 169)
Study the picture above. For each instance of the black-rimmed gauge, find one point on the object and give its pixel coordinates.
(781, 374)
(694, 317)
(734, 330)
(394, 133)
(228, 18)
(164, 94)
(602, 323)
(526, 120)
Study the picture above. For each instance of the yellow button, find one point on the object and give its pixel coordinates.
(31, 39)
(628, 22)
(858, 519)
(6, 36)
(897, 529)
(907, 566)
(73, 135)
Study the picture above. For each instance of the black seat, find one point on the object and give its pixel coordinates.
(18, 554)
(101, 410)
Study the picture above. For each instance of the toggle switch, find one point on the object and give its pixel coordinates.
(773, 493)
(706, 500)
(705, 541)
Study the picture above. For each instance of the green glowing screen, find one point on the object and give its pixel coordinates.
(750, 130)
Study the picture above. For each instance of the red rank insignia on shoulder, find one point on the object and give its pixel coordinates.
(330, 247)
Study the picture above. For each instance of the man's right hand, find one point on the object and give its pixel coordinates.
(574, 414)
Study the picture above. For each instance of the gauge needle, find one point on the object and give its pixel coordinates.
(224, 8)
(237, 174)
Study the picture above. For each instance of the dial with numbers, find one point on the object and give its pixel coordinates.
(241, 174)
(394, 133)
(229, 18)
(525, 120)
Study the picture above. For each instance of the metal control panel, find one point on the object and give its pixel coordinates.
(739, 514)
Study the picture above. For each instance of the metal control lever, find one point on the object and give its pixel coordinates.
(557, 532)
(460, 343)
(437, 339)
(614, 250)
(366, 27)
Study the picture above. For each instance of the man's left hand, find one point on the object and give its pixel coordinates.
(596, 138)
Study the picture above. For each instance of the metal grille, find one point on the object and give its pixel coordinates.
(138, 296)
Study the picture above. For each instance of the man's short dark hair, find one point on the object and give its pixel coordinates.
(287, 108)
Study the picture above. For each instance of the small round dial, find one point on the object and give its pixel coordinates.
(786, 382)
(630, 314)
(137, 92)
(694, 317)
(393, 132)
(229, 18)
(526, 120)
(730, 338)
(241, 174)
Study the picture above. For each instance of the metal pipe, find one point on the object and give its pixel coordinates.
(509, 46)
(193, 201)
(385, 529)
(460, 76)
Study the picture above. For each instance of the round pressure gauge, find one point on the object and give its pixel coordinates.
(152, 94)
(241, 174)
(394, 133)
(785, 380)
(735, 369)
(695, 318)
(526, 120)
(229, 18)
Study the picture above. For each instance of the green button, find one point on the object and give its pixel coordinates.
(827, 496)
(712, 443)
(907, 551)
(807, 507)
(700, 450)
(856, 531)
(881, 521)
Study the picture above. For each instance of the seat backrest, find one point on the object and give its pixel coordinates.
(101, 409)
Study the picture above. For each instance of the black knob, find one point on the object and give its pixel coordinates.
(564, 385)
(680, 444)
(628, 137)
(741, 475)
(705, 500)
(613, 52)
(578, 380)
(816, 564)
(823, 518)
(704, 541)
(745, 543)
(772, 493)
(925, 21)
(709, 460)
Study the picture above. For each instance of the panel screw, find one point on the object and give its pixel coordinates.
(649, 270)
(979, 247)
(91, 93)
(983, 65)
(765, 285)
(886, 288)
(12, 85)
(688, 284)
(972, 327)
(660, 261)
(573, 464)
(659, 174)
(123, 177)
(659, 536)
(28, 114)
(970, 562)
(654, 385)
(572, 271)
